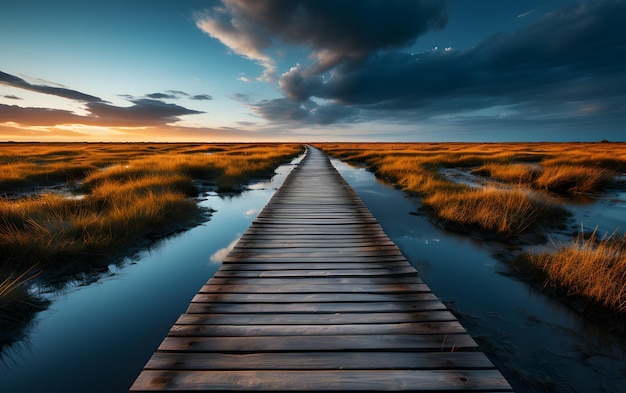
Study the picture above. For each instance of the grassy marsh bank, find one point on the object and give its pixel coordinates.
(518, 202)
(591, 270)
(66, 208)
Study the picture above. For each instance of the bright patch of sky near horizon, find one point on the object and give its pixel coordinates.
(154, 75)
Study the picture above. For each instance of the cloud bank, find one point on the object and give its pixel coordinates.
(147, 111)
(567, 65)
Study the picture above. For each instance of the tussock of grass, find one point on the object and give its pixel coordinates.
(509, 173)
(589, 267)
(54, 230)
(509, 212)
(574, 179)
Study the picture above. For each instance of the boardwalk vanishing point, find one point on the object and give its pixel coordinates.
(315, 297)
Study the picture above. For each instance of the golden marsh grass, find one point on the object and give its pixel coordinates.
(565, 168)
(589, 267)
(116, 195)
(594, 269)
(126, 192)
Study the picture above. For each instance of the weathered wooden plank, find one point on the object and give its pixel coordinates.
(316, 230)
(389, 282)
(319, 256)
(445, 327)
(313, 273)
(279, 297)
(324, 380)
(319, 253)
(366, 249)
(252, 254)
(325, 215)
(282, 243)
(316, 237)
(311, 287)
(320, 361)
(313, 259)
(413, 342)
(315, 308)
(288, 265)
(316, 319)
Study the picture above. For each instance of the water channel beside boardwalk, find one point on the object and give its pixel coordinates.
(539, 344)
(97, 337)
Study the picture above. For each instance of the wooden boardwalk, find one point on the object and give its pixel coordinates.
(315, 297)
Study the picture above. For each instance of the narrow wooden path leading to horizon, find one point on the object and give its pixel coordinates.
(315, 297)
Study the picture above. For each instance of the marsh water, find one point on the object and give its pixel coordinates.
(96, 337)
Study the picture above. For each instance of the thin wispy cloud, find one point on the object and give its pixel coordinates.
(525, 14)
(161, 96)
(14, 81)
(143, 111)
(177, 94)
(201, 97)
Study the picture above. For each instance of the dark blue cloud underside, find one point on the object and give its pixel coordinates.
(570, 60)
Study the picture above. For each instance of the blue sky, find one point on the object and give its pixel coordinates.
(193, 70)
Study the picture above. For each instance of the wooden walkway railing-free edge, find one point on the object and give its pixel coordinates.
(315, 297)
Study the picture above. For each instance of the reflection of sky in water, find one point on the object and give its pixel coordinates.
(219, 255)
(607, 213)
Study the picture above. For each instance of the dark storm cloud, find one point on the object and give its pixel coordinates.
(336, 31)
(575, 54)
(345, 29)
(284, 110)
(14, 81)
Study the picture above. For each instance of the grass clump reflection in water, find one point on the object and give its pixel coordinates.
(68, 208)
(517, 202)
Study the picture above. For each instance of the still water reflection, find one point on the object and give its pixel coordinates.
(97, 338)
